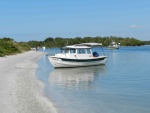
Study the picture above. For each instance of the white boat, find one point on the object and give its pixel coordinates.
(78, 55)
(113, 45)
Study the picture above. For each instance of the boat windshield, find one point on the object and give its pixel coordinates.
(83, 51)
(68, 50)
(65, 50)
(72, 51)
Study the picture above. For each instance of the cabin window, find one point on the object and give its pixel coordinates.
(66, 50)
(62, 51)
(81, 51)
(88, 51)
(72, 51)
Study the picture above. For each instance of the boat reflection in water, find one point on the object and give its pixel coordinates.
(76, 78)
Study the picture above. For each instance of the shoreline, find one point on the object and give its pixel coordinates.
(21, 91)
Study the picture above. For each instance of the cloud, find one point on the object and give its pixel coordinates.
(136, 27)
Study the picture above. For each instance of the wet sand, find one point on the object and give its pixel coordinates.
(20, 91)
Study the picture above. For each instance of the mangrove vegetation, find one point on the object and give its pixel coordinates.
(60, 42)
(8, 46)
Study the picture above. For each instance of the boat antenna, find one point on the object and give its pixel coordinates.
(67, 43)
(102, 50)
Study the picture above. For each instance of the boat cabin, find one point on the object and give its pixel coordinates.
(77, 52)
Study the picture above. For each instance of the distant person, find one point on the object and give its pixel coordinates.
(43, 48)
(36, 48)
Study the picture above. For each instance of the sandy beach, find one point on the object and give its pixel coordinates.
(20, 91)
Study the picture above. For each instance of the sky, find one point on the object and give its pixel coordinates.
(26, 20)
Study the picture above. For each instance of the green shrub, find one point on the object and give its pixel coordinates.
(9, 47)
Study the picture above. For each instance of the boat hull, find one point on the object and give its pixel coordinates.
(113, 47)
(67, 62)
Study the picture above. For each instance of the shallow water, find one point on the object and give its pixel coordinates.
(120, 86)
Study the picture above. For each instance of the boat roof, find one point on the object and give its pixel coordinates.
(89, 44)
(83, 45)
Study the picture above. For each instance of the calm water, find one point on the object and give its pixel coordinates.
(120, 86)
